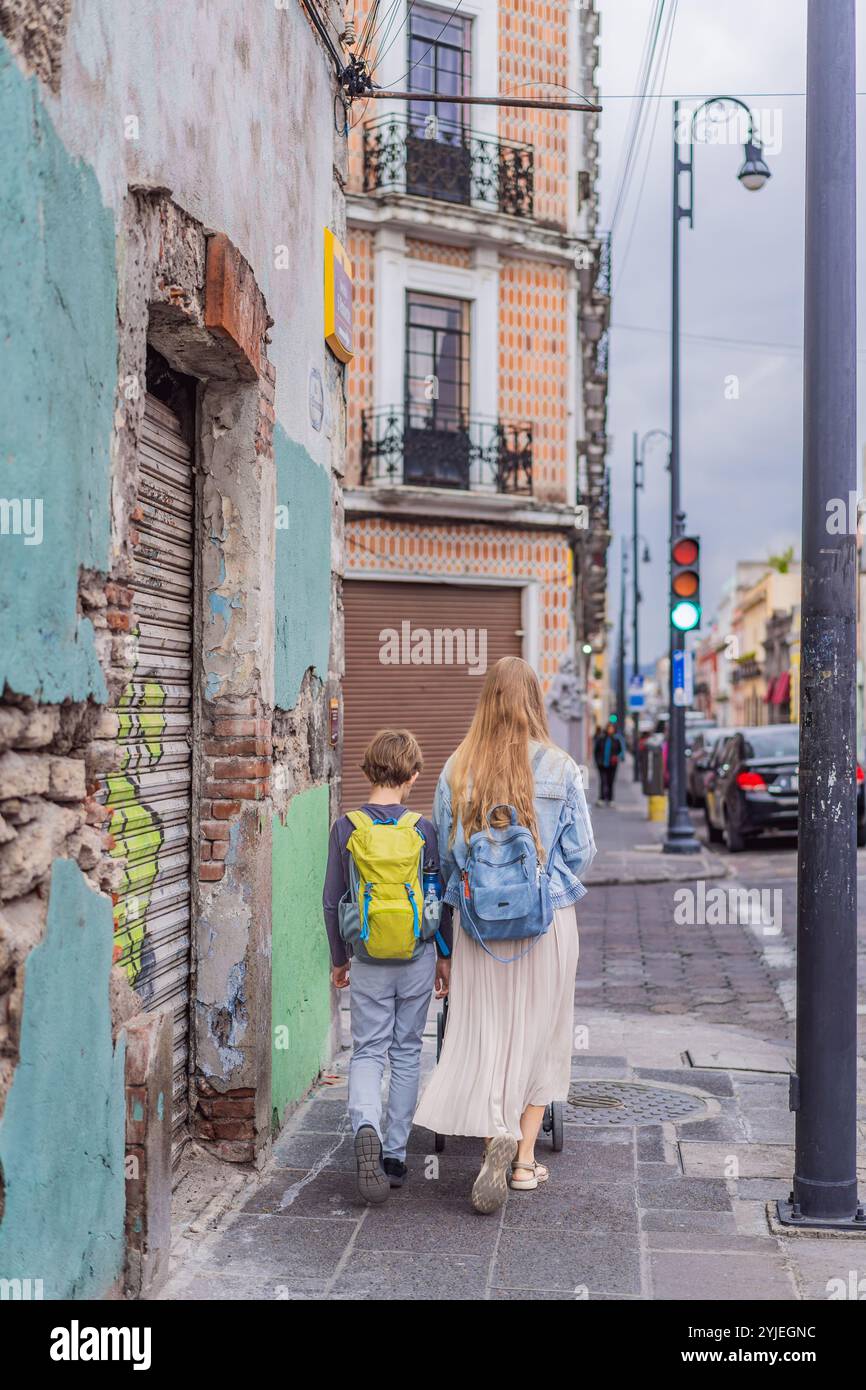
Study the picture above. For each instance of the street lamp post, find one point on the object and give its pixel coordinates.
(620, 673)
(753, 175)
(824, 1089)
(638, 457)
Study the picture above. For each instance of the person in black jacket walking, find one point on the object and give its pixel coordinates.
(607, 750)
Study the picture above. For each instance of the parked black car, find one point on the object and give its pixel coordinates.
(753, 787)
(699, 755)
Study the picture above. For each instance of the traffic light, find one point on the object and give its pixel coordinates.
(685, 600)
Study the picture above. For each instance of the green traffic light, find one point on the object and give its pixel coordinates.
(685, 615)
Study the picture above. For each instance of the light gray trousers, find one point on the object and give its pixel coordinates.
(389, 1006)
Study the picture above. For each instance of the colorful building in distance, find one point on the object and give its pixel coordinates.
(475, 492)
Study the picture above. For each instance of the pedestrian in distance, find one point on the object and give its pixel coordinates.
(390, 942)
(514, 836)
(608, 748)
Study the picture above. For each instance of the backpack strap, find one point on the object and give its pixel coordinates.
(410, 818)
(359, 819)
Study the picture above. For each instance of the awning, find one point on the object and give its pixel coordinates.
(770, 698)
(782, 688)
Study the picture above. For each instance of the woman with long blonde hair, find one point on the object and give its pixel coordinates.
(507, 1048)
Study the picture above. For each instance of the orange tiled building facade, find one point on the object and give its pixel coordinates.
(477, 394)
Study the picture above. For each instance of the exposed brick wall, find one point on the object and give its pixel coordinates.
(226, 1119)
(359, 375)
(534, 364)
(236, 768)
(407, 549)
(533, 51)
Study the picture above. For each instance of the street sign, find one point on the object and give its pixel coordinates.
(683, 678)
(635, 693)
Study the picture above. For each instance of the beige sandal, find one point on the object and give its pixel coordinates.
(537, 1171)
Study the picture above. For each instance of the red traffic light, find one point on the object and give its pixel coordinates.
(685, 551)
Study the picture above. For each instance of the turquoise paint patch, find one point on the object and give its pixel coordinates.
(301, 962)
(160, 1105)
(138, 1112)
(62, 1132)
(303, 569)
(58, 365)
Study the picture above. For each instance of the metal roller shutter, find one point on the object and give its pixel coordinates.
(150, 797)
(436, 702)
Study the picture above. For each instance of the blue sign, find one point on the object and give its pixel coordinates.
(683, 679)
(635, 693)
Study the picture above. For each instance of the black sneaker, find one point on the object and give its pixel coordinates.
(396, 1171)
(372, 1179)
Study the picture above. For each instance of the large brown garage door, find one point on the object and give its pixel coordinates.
(437, 700)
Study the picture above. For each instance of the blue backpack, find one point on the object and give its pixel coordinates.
(504, 888)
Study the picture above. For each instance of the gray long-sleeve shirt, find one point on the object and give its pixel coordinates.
(337, 875)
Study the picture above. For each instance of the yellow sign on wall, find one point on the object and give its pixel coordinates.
(339, 291)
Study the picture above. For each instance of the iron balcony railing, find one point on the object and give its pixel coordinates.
(449, 163)
(445, 450)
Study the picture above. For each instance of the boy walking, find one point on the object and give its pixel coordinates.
(381, 926)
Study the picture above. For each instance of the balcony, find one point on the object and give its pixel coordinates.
(455, 165)
(451, 451)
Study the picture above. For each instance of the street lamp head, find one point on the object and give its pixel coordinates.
(586, 649)
(755, 171)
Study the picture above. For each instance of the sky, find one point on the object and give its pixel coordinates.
(741, 282)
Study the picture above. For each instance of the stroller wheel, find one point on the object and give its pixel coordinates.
(439, 1142)
(556, 1125)
(547, 1121)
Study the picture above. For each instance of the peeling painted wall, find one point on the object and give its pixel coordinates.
(62, 1131)
(58, 365)
(303, 568)
(301, 964)
(137, 131)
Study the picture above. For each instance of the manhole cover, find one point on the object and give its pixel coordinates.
(628, 1103)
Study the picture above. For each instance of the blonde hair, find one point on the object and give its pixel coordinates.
(492, 765)
(391, 758)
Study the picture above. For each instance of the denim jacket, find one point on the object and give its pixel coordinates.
(563, 817)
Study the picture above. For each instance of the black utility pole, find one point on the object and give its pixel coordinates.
(680, 837)
(638, 456)
(636, 482)
(620, 673)
(753, 175)
(824, 1090)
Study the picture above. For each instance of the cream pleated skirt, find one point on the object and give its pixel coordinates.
(508, 1043)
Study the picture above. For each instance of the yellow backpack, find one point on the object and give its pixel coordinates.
(389, 859)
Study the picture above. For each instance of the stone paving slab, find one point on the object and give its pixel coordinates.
(721, 1277)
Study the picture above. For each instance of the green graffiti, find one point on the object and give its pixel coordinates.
(136, 830)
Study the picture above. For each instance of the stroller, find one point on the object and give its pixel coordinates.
(552, 1123)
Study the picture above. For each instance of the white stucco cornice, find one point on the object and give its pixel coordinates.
(430, 220)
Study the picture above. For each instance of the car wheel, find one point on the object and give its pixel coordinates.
(714, 835)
